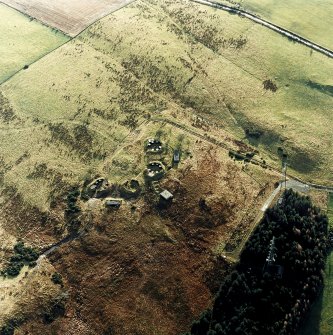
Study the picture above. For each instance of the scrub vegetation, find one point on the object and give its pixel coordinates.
(231, 97)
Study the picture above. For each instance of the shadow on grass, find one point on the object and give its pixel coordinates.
(327, 89)
(311, 324)
(319, 320)
(302, 161)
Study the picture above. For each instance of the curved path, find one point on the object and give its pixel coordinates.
(295, 37)
(293, 181)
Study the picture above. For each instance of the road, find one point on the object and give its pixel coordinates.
(296, 185)
(55, 246)
(271, 198)
(292, 182)
(282, 31)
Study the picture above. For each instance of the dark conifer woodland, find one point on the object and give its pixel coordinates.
(279, 275)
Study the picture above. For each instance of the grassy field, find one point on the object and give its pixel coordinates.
(306, 18)
(326, 315)
(86, 109)
(326, 325)
(177, 241)
(23, 40)
(94, 90)
(28, 291)
(320, 318)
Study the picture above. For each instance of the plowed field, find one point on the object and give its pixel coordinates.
(70, 17)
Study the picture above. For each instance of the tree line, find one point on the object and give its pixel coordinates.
(274, 283)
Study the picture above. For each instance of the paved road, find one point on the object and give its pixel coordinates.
(295, 37)
(271, 198)
(296, 186)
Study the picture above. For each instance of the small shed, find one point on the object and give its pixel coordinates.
(176, 156)
(274, 270)
(166, 196)
(97, 184)
(112, 203)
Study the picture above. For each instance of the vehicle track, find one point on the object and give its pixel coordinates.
(282, 31)
(292, 180)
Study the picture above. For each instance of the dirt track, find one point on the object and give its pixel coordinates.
(71, 17)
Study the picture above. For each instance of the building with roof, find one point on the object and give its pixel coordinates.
(165, 198)
(112, 203)
(166, 195)
(176, 157)
(274, 270)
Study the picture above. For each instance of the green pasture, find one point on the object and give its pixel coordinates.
(23, 40)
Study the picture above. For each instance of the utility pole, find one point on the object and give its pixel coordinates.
(285, 175)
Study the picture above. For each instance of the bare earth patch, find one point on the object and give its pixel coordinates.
(71, 17)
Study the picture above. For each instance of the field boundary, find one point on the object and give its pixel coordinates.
(282, 31)
(70, 38)
(102, 17)
(34, 18)
(35, 61)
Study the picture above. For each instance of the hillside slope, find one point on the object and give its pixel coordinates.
(23, 40)
(193, 77)
(192, 57)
